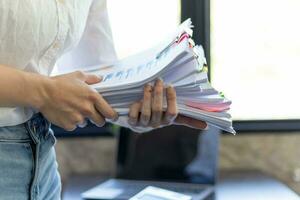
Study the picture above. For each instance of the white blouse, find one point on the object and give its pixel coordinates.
(36, 35)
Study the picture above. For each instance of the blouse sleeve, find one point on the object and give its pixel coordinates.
(96, 46)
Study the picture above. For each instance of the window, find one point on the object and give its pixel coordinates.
(255, 57)
(138, 25)
(253, 49)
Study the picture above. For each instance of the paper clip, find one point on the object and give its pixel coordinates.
(167, 47)
(177, 40)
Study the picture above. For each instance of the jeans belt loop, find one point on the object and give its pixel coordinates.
(31, 129)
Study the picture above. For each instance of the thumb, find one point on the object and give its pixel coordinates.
(87, 78)
(91, 79)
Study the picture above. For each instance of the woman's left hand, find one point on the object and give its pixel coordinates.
(149, 112)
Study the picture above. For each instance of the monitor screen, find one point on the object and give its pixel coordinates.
(173, 153)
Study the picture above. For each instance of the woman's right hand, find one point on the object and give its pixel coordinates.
(68, 101)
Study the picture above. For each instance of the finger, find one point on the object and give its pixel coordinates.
(79, 74)
(172, 110)
(105, 109)
(157, 103)
(96, 118)
(134, 113)
(76, 119)
(69, 126)
(146, 106)
(91, 79)
(82, 125)
(87, 78)
(190, 122)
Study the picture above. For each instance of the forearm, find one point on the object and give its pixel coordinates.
(19, 88)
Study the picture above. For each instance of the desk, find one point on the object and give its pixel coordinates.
(231, 186)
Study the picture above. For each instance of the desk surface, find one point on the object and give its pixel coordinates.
(232, 186)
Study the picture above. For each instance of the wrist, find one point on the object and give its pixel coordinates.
(38, 90)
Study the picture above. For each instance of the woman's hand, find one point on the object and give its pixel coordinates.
(149, 112)
(68, 101)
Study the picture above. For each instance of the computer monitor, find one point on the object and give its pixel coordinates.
(176, 159)
(174, 153)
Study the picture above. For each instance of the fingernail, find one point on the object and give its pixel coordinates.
(169, 86)
(156, 126)
(206, 128)
(131, 122)
(84, 124)
(116, 118)
(160, 79)
(98, 125)
(147, 85)
(144, 123)
(100, 77)
(170, 119)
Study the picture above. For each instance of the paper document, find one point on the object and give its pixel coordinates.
(179, 62)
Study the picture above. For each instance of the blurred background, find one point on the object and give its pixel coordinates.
(253, 48)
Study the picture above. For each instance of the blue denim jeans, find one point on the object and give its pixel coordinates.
(28, 167)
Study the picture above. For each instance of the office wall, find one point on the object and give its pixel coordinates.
(277, 155)
(86, 156)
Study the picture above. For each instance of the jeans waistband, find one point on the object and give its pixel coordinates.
(38, 126)
(34, 129)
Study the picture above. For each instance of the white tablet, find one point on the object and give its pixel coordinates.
(154, 193)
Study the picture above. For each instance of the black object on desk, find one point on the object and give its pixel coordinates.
(173, 153)
(175, 158)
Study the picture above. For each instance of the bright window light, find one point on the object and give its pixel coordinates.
(140, 24)
(256, 56)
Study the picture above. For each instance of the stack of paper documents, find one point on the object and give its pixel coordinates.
(179, 62)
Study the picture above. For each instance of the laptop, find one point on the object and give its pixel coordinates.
(174, 158)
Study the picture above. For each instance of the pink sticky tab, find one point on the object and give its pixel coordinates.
(183, 37)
